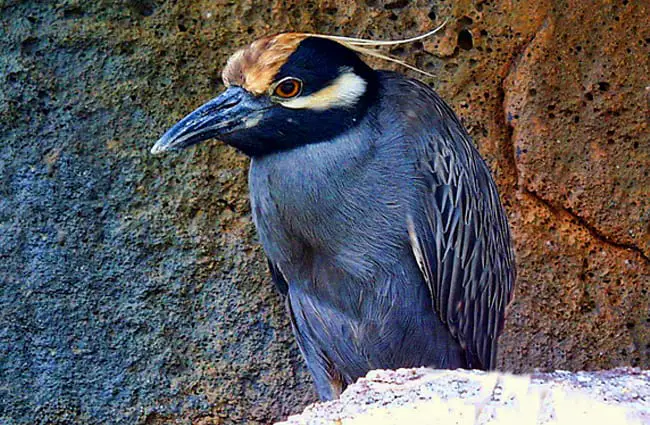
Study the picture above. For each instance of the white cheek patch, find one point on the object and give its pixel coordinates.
(343, 92)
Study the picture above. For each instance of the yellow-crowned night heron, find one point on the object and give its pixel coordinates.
(381, 222)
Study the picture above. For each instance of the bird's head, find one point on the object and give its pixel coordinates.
(281, 92)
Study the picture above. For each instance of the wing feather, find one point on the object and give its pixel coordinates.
(461, 237)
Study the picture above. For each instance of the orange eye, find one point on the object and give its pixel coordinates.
(288, 88)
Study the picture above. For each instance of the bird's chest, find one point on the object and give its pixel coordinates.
(314, 211)
(299, 211)
(286, 214)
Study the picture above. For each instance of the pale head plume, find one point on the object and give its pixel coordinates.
(364, 46)
(371, 43)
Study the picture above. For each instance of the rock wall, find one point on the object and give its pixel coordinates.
(131, 287)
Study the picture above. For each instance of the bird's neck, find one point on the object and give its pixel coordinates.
(308, 175)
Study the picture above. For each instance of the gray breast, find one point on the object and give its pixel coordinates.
(345, 199)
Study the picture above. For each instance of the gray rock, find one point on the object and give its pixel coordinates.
(131, 287)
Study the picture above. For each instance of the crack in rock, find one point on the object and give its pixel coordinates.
(575, 218)
(512, 158)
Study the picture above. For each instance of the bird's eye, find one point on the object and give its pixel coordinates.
(287, 88)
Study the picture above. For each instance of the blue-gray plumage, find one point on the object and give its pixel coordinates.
(382, 224)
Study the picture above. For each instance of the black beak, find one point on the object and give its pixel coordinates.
(232, 110)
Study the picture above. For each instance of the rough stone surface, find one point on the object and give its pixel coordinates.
(132, 290)
(459, 397)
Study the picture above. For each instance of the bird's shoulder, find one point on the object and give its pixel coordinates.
(414, 113)
(401, 89)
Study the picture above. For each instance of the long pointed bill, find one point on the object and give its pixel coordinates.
(231, 110)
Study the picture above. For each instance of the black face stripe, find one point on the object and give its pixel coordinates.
(318, 61)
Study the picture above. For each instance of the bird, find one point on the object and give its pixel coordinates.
(382, 224)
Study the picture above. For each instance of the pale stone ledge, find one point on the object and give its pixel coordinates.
(441, 397)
